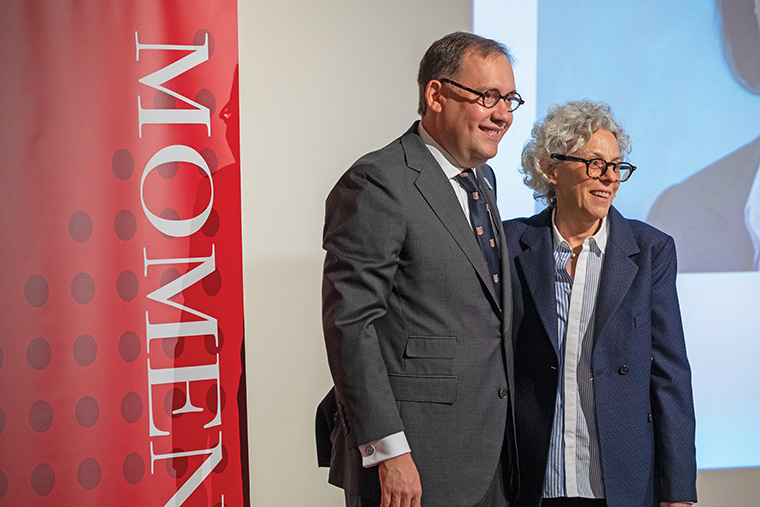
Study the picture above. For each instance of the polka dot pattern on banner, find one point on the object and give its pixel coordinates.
(176, 467)
(80, 227)
(88, 474)
(129, 346)
(43, 479)
(85, 350)
(38, 353)
(41, 416)
(131, 407)
(127, 286)
(212, 283)
(87, 412)
(206, 98)
(168, 171)
(169, 275)
(125, 225)
(174, 400)
(211, 398)
(133, 468)
(211, 227)
(223, 463)
(36, 291)
(211, 344)
(77, 405)
(211, 159)
(200, 37)
(173, 347)
(122, 164)
(82, 288)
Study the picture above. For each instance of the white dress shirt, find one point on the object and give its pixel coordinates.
(573, 468)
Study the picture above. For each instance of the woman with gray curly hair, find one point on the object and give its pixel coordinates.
(603, 401)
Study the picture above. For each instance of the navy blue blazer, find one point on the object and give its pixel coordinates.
(642, 378)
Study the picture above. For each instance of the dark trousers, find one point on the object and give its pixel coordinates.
(495, 497)
(573, 502)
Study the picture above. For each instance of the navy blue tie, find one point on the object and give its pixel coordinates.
(481, 223)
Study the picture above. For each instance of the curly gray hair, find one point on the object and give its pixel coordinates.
(565, 129)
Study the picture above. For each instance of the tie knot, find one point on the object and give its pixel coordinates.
(468, 180)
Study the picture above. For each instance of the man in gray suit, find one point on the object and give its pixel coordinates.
(416, 320)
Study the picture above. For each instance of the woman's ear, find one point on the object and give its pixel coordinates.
(549, 169)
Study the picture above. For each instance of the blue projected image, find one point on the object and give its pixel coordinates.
(661, 66)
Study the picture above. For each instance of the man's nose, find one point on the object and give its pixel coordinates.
(501, 112)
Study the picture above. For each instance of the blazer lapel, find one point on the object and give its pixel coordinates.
(537, 264)
(436, 189)
(618, 270)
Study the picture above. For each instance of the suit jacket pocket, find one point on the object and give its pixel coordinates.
(441, 347)
(431, 389)
(429, 355)
(642, 320)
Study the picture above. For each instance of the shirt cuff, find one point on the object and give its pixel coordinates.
(386, 448)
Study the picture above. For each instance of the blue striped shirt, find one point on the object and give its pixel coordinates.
(574, 465)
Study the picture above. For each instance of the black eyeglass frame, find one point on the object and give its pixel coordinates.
(508, 98)
(615, 165)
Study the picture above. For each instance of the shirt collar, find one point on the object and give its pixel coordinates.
(450, 168)
(600, 238)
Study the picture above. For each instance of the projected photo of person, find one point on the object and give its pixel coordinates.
(714, 215)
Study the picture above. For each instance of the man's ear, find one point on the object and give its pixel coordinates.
(434, 95)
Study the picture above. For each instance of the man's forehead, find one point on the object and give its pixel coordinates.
(475, 61)
(489, 67)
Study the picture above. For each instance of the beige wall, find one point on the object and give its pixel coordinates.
(321, 83)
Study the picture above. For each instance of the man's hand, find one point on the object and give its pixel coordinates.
(400, 482)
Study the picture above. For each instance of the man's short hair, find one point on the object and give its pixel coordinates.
(444, 58)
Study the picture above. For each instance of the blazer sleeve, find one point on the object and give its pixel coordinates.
(671, 392)
(363, 238)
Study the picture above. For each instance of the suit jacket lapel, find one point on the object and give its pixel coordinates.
(537, 264)
(436, 189)
(618, 270)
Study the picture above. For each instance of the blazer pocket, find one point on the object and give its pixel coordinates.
(642, 320)
(429, 355)
(433, 347)
(430, 389)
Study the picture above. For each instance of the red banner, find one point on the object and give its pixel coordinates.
(121, 373)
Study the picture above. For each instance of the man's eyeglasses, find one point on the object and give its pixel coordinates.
(596, 167)
(491, 97)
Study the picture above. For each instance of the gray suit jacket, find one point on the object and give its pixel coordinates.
(416, 338)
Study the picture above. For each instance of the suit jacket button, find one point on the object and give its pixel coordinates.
(503, 392)
(623, 369)
(649, 417)
(369, 450)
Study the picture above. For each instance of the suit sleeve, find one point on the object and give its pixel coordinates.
(671, 394)
(363, 239)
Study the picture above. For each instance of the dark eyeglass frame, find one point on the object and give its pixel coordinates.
(615, 166)
(492, 93)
